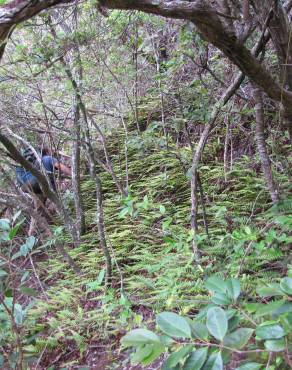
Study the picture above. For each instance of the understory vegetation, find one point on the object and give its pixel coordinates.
(170, 246)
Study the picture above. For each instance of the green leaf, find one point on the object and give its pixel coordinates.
(30, 242)
(156, 352)
(176, 357)
(272, 331)
(233, 322)
(28, 291)
(27, 247)
(4, 224)
(270, 290)
(286, 285)
(275, 345)
(162, 209)
(14, 230)
(250, 366)
(100, 277)
(19, 314)
(3, 273)
(216, 284)
(166, 340)
(214, 362)
(173, 325)
(269, 308)
(124, 212)
(238, 339)
(220, 299)
(196, 359)
(199, 331)
(217, 322)
(230, 313)
(137, 337)
(233, 288)
(285, 308)
(286, 321)
(24, 276)
(252, 307)
(146, 354)
(16, 255)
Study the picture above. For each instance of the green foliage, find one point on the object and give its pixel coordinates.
(270, 336)
(16, 297)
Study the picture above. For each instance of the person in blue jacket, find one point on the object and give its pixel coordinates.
(29, 183)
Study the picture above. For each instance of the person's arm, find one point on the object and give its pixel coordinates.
(66, 170)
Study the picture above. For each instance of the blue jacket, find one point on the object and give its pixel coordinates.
(25, 177)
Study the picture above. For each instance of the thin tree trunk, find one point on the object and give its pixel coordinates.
(136, 78)
(194, 213)
(126, 154)
(198, 153)
(226, 151)
(99, 209)
(76, 183)
(201, 190)
(261, 145)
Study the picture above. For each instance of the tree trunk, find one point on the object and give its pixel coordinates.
(261, 144)
(76, 184)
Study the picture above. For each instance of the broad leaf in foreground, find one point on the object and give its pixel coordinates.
(173, 325)
(138, 337)
(217, 323)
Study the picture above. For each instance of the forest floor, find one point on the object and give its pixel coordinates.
(79, 326)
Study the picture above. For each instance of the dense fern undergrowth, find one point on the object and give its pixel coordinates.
(149, 237)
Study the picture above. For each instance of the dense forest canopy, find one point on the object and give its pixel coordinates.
(145, 184)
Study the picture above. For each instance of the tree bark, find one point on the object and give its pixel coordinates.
(261, 144)
(76, 183)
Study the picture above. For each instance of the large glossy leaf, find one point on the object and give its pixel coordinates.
(217, 323)
(216, 284)
(239, 338)
(270, 331)
(196, 359)
(286, 285)
(275, 345)
(199, 331)
(176, 357)
(250, 366)
(233, 288)
(173, 325)
(214, 362)
(139, 337)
